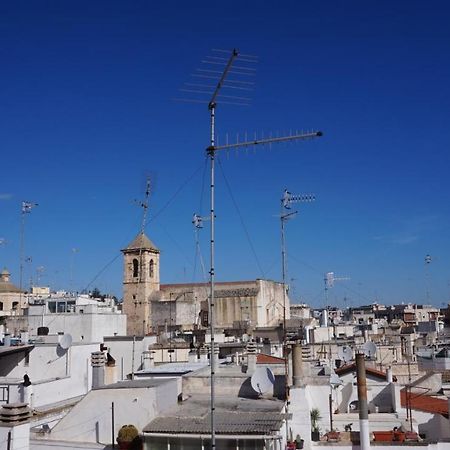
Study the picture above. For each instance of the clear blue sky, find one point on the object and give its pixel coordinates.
(87, 111)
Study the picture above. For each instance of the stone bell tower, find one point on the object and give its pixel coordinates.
(140, 280)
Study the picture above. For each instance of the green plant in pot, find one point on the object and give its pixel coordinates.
(315, 429)
(128, 438)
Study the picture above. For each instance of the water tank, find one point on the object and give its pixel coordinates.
(42, 331)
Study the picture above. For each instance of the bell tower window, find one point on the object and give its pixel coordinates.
(135, 268)
(151, 268)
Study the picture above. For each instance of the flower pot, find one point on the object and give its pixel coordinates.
(383, 436)
(315, 436)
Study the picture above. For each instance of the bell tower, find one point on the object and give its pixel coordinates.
(140, 280)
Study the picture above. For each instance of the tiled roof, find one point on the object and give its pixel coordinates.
(225, 423)
(426, 403)
(262, 358)
(369, 371)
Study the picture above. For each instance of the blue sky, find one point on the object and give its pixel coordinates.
(87, 112)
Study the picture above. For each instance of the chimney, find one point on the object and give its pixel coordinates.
(362, 402)
(192, 356)
(216, 355)
(98, 369)
(297, 365)
(251, 357)
(389, 377)
(147, 360)
(15, 426)
(203, 354)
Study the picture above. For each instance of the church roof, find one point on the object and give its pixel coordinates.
(141, 241)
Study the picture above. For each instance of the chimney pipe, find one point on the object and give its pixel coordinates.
(147, 360)
(98, 369)
(297, 365)
(389, 377)
(362, 402)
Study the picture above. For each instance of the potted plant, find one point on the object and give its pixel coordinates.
(299, 442)
(315, 429)
(128, 438)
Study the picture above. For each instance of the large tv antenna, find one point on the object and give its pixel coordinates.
(223, 81)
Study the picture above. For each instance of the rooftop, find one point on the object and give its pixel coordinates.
(233, 416)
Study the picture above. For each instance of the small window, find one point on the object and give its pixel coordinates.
(135, 268)
(1, 306)
(14, 305)
(152, 267)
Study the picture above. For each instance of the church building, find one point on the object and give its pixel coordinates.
(154, 307)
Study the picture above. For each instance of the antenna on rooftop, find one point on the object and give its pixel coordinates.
(286, 201)
(225, 74)
(345, 353)
(262, 380)
(26, 209)
(144, 204)
(66, 341)
(369, 349)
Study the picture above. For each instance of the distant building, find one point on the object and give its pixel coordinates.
(85, 318)
(12, 299)
(150, 306)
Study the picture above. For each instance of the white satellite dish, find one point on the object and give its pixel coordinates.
(370, 349)
(66, 341)
(262, 380)
(345, 353)
(335, 381)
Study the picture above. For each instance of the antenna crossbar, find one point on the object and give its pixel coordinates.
(294, 137)
(227, 69)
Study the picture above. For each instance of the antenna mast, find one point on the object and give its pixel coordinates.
(211, 150)
(26, 209)
(285, 215)
(144, 205)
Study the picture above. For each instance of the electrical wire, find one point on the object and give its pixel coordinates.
(158, 213)
(247, 234)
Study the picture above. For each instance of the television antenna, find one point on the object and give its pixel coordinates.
(427, 260)
(345, 353)
(144, 204)
(26, 209)
(223, 80)
(286, 201)
(262, 380)
(369, 349)
(66, 341)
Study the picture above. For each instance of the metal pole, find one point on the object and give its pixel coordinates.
(112, 426)
(132, 358)
(330, 406)
(362, 402)
(212, 108)
(285, 348)
(22, 239)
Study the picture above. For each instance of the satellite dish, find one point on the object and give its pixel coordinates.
(369, 349)
(262, 380)
(345, 353)
(335, 381)
(66, 341)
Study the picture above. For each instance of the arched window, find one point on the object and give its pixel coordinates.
(151, 268)
(1, 306)
(135, 268)
(14, 305)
